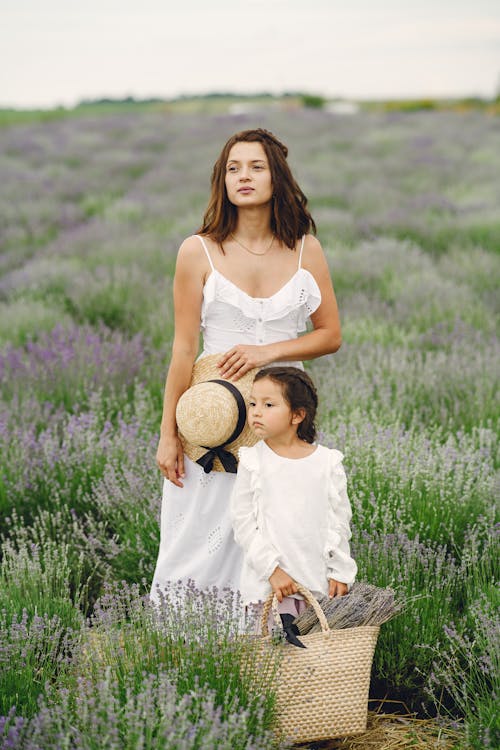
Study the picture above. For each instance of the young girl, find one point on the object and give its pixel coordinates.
(289, 506)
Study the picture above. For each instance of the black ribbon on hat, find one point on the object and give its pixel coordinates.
(228, 461)
(291, 631)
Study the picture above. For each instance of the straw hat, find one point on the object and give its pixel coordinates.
(211, 416)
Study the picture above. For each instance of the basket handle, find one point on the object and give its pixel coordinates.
(272, 601)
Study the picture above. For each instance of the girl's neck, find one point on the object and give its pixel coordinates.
(290, 446)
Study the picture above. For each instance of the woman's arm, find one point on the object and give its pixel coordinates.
(324, 339)
(190, 271)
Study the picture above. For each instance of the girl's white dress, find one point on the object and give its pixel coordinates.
(294, 513)
(196, 536)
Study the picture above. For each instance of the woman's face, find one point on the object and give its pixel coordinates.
(248, 176)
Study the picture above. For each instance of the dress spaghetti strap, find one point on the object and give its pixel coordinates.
(301, 249)
(206, 251)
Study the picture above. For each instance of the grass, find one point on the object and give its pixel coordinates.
(405, 205)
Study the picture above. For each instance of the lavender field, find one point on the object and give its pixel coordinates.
(92, 211)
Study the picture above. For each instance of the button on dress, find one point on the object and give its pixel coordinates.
(196, 537)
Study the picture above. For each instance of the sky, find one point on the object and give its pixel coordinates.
(57, 52)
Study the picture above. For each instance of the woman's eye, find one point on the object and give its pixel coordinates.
(251, 403)
(232, 169)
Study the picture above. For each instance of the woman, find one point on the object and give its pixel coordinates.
(249, 280)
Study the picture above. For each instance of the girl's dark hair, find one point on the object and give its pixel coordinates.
(290, 218)
(299, 392)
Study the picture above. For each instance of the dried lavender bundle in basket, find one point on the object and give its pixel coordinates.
(365, 604)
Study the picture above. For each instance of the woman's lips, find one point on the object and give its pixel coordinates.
(245, 190)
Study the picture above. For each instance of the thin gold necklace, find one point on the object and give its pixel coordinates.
(248, 249)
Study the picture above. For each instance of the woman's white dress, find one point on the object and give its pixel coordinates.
(196, 537)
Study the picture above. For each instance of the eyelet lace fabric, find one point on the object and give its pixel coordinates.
(299, 298)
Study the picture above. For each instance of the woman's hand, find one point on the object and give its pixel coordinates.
(282, 584)
(170, 459)
(241, 358)
(336, 588)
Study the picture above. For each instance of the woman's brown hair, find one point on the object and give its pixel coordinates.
(290, 218)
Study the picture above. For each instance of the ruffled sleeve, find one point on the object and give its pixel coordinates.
(301, 296)
(340, 564)
(309, 297)
(261, 555)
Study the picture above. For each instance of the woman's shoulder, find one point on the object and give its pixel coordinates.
(192, 245)
(312, 253)
(192, 253)
(315, 262)
(312, 243)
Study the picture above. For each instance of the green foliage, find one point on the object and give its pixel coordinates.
(40, 620)
(405, 206)
(188, 634)
(313, 101)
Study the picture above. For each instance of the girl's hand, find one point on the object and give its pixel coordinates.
(241, 358)
(336, 588)
(170, 459)
(282, 584)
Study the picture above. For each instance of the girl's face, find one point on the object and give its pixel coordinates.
(269, 415)
(248, 176)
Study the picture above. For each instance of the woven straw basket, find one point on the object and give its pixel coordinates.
(322, 690)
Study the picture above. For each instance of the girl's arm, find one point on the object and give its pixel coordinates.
(336, 588)
(341, 568)
(324, 339)
(188, 295)
(258, 551)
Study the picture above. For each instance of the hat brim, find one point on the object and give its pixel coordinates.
(205, 369)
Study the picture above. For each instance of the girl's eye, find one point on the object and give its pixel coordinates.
(268, 404)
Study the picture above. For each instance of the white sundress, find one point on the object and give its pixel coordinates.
(196, 537)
